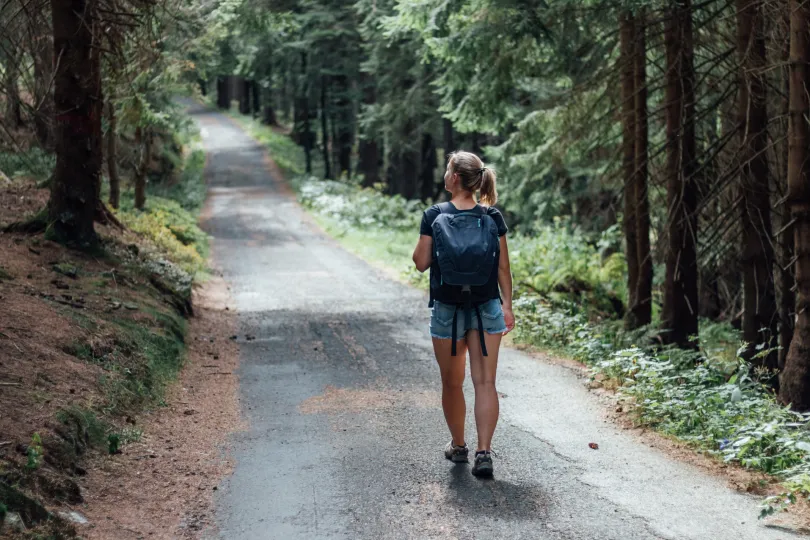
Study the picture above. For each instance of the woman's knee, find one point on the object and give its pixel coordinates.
(484, 383)
(453, 381)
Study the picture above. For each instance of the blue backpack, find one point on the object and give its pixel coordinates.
(467, 250)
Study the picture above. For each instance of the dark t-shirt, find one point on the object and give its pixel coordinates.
(433, 212)
(426, 229)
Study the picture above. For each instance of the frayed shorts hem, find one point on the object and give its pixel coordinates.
(459, 338)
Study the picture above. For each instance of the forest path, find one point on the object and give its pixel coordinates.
(341, 391)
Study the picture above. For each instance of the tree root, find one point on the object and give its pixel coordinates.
(105, 217)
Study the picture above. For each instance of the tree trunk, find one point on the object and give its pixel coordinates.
(626, 65)
(449, 137)
(334, 135)
(327, 163)
(285, 104)
(344, 113)
(302, 116)
(642, 309)
(403, 173)
(795, 381)
(409, 174)
(759, 323)
(476, 140)
(145, 143)
(368, 162)
(41, 37)
(787, 279)
(256, 92)
(78, 102)
(679, 317)
(244, 96)
(428, 167)
(13, 112)
(112, 156)
(223, 93)
(268, 109)
(368, 158)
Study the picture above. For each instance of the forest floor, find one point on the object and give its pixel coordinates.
(345, 428)
(115, 403)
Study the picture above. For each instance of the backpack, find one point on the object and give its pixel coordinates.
(467, 250)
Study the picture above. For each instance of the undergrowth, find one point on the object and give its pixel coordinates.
(169, 218)
(33, 163)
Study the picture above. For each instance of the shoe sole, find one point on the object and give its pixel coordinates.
(486, 471)
(457, 459)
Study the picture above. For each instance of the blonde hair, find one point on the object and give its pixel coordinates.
(474, 175)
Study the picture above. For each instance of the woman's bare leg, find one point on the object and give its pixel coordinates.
(483, 370)
(452, 370)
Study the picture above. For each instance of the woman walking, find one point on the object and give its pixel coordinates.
(464, 245)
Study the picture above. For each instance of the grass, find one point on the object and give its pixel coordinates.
(145, 359)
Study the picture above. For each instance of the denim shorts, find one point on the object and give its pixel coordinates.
(441, 319)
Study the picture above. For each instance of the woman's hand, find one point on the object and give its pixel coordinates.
(509, 319)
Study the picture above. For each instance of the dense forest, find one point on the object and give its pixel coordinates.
(672, 135)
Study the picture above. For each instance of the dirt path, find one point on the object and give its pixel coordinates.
(341, 392)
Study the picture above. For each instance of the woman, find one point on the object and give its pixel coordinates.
(465, 175)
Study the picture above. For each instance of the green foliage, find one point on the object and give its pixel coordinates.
(113, 443)
(66, 269)
(4, 274)
(189, 190)
(170, 221)
(353, 206)
(35, 163)
(172, 229)
(559, 263)
(35, 453)
(735, 418)
(85, 425)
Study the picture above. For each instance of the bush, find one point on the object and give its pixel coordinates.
(735, 418)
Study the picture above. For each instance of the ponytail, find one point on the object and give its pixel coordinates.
(474, 175)
(489, 193)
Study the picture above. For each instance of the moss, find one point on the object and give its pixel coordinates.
(84, 427)
(145, 358)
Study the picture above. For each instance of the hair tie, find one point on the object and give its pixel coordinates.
(481, 170)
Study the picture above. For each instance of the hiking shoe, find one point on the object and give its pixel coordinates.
(457, 454)
(483, 464)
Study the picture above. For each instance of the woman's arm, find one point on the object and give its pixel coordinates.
(505, 284)
(423, 254)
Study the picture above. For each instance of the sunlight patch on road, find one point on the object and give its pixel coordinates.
(357, 400)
